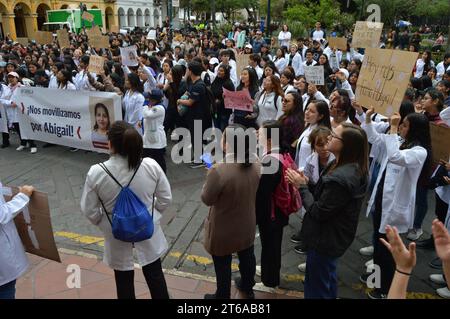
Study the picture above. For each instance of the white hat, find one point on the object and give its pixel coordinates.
(14, 74)
(249, 46)
(345, 72)
(213, 61)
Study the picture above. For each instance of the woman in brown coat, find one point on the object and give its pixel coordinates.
(230, 190)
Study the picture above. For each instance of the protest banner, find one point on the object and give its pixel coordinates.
(96, 63)
(315, 75)
(384, 78)
(3, 120)
(440, 143)
(338, 43)
(367, 34)
(241, 63)
(98, 41)
(34, 225)
(43, 37)
(87, 16)
(114, 29)
(63, 38)
(129, 56)
(22, 41)
(238, 100)
(76, 119)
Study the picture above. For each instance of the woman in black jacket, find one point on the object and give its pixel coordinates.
(222, 80)
(332, 211)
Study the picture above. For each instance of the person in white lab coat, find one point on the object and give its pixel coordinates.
(270, 101)
(155, 141)
(13, 261)
(295, 60)
(81, 80)
(280, 60)
(394, 194)
(133, 101)
(149, 183)
(285, 36)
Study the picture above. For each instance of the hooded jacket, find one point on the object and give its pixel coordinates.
(332, 212)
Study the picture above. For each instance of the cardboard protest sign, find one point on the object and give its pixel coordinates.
(63, 38)
(384, 78)
(241, 63)
(34, 225)
(3, 120)
(367, 34)
(96, 64)
(440, 143)
(338, 43)
(87, 16)
(43, 37)
(98, 41)
(65, 117)
(114, 28)
(129, 56)
(315, 75)
(239, 100)
(151, 35)
(22, 41)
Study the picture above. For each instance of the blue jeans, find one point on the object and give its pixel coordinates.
(321, 276)
(421, 206)
(8, 291)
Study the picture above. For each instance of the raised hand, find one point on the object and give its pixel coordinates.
(404, 259)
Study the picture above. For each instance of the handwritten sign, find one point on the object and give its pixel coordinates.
(129, 56)
(99, 41)
(22, 41)
(34, 225)
(241, 63)
(315, 75)
(96, 64)
(87, 16)
(94, 31)
(43, 37)
(440, 142)
(63, 38)
(238, 100)
(338, 43)
(367, 34)
(384, 78)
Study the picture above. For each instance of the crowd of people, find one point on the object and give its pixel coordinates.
(343, 152)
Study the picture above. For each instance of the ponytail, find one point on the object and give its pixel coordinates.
(127, 142)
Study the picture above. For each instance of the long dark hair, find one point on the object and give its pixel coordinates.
(323, 109)
(135, 82)
(419, 135)
(297, 112)
(127, 142)
(237, 131)
(101, 106)
(355, 148)
(253, 82)
(67, 76)
(177, 77)
(269, 126)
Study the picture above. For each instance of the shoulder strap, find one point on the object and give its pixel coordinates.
(139, 165)
(103, 166)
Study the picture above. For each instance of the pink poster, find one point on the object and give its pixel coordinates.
(238, 100)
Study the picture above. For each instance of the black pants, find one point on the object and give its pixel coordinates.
(157, 155)
(22, 142)
(381, 255)
(247, 268)
(441, 209)
(154, 277)
(271, 236)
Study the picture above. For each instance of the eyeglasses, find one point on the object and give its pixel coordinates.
(333, 135)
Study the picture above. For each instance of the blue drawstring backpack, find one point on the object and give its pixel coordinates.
(131, 221)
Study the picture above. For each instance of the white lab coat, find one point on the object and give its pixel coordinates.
(297, 64)
(233, 74)
(161, 79)
(280, 63)
(289, 89)
(132, 104)
(149, 179)
(314, 62)
(13, 261)
(69, 86)
(441, 70)
(53, 83)
(81, 81)
(312, 166)
(267, 108)
(303, 148)
(284, 38)
(5, 96)
(420, 64)
(154, 135)
(12, 113)
(403, 168)
(317, 96)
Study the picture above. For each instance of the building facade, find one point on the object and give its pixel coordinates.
(21, 18)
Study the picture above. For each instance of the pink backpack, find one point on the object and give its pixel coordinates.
(286, 196)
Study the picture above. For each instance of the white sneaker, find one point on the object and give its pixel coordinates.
(370, 262)
(366, 251)
(258, 271)
(438, 279)
(415, 234)
(20, 148)
(443, 292)
(302, 267)
(33, 150)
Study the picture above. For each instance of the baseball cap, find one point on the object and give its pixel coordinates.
(249, 46)
(345, 72)
(14, 74)
(213, 61)
(155, 94)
